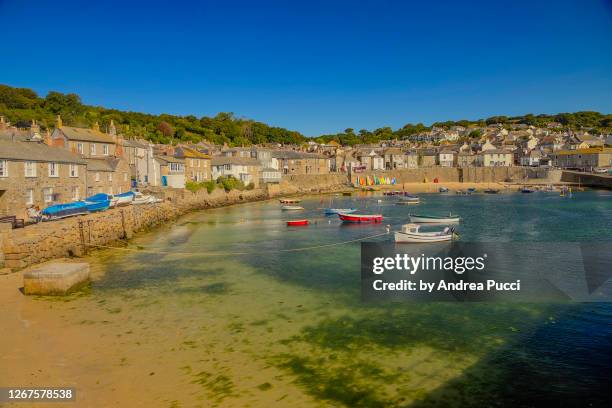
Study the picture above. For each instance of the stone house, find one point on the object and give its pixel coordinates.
(171, 172)
(583, 159)
(467, 158)
(292, 162)
(110, 176)
(411, 160)
(197, 164)
(447, 158)
(496, 158)
(34, 174)
(90, 143)
(428, 158)
(139, 155)
(394, 158)
(245, 169)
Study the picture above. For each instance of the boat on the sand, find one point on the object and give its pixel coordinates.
(491, 191)
(361, 218)
(410, 233)
(443, 190)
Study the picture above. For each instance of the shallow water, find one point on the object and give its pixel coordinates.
(229, 307)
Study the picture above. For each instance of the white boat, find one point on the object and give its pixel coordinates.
(292, 208)
(120, 200)
(140, 198)
(430, 219)
(330, 211)
(410, 234)
(408, 200)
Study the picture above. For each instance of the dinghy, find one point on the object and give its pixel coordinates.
(361, 218)
(55, 212)
(471, 190)
(292, 208)
(140, 198)
(333, 211)
(411, 233)
(527, 190)
(409, 199)
(297, 223)
(102, 197)
(430, 219)
(443, 190)
(289, 200)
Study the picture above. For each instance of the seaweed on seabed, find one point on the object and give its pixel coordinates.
(218, 387)
(340, 383)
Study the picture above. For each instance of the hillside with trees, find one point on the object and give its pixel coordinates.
(21, 105)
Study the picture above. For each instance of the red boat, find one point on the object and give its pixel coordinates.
(361, 218)
(295, 223)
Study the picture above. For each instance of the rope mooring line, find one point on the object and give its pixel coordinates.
(237, 253)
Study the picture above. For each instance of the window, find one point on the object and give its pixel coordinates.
(93, 148)
(110, 176)
(105, 149)
(176, 167)
(3, 168)
(30, 169)
(80, 148)
(74, 170)
(47, 194)
(53, 169)
(97, 176)
(228, 167)
(191, 162)
(75, 193)
(29, 196)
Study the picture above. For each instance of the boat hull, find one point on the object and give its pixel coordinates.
(422, 219)
(361, 219)
(408, 238)
(292, 208)
(297, 223)
(56, 212)
(95, 206)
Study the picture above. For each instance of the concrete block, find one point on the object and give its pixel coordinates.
(55, 278)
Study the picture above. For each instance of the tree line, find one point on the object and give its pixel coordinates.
(22, 105)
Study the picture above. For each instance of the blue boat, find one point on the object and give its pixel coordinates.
(99, 197)
(94, 206)
(58, 211)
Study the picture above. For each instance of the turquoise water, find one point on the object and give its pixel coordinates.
(292, 311)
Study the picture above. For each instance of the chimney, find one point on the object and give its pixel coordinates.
(47, 138)
(58, 122)
(34, 130)
(96, 126)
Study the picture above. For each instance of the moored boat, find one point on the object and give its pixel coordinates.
(140, 198)
(102, 197)
(124, 199)
(361, 218)
(431, 219)
(289, 200)
(491, 191)
(332, 211)
(55, 212)
(409, 199)
(527, 190)
(296, 223)
(471, 190)
(410, 233)
(292, 207)
(95, 206)
(443, 190)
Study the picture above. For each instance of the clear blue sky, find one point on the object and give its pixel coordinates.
(316, 66)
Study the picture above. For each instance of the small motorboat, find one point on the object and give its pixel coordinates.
(55, 212)
(471, 190)
(292, 208)
(443, 190)
(333, 211)
(491, 191)
(410, 233)
(431, 219)
(361, 218)
(527, 190)
(95, 206)
(140, 198)
(409, 199)
(297, 223)
(123, 199)
(102, 197)
(289, 200)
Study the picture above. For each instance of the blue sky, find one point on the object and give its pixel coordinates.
(316, 66)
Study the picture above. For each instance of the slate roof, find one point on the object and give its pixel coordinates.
(85, 134)
(242, 161)
(108, 164)
(36, 151)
